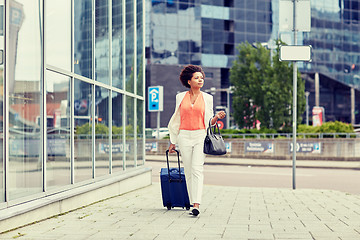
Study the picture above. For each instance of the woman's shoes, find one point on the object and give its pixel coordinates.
(195, 212)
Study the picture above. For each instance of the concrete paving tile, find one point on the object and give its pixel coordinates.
(318, 228)
(260, 227)
(109, 235)
(173, 237)
(240, 228)
(293, 235)
(75, 237)
(294, 238)
(206, 236)
(227, 213)
(248, 235)
(144, 236)
(339, 227)
(325, 236)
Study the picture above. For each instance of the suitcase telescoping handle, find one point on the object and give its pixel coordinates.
(167, 160)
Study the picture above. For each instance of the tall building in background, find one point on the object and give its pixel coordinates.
(207, 32)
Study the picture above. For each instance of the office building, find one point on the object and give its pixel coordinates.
(207, 32)
(72, 95)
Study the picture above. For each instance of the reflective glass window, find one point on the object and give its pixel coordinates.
(83, 38)
(195, 59)
(58, 129)
(184, 58)
(183, 46)
(140, 135)
(218, 48)
(25, 158)
(117, 44)
(102, 134)
(206, 23)
(240, 14)
(83, 130)
(240, 26)
(102, 41)
(139, 49)
(117, 132)
(261, 17)
(129, 46)
(219, 36)
(207, 36)
(261, 28)
(250, 27)
(207, 47)
(130, 134)
(250, 15)
(171, 7)
(218, 24)
(251, 4)
(58, 33)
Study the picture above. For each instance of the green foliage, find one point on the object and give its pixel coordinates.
(84, 129)
(103, 130)
(263, 88)
(303, 128)
(336, 127)
(117, 130)
(327, 127)
(249, 131)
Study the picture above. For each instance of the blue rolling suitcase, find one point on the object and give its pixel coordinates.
(173, 186)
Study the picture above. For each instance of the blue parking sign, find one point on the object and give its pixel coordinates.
(155, 99)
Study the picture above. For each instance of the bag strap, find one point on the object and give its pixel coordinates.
(216, 126)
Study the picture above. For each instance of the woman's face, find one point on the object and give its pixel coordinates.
(197, 80)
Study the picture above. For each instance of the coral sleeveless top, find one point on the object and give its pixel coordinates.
(192, 116)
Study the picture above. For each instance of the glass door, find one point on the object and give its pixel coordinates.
(23, 89)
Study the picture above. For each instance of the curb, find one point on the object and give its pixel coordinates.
(277, 163)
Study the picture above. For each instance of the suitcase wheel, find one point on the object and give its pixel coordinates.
(187, 208)
(168, 206)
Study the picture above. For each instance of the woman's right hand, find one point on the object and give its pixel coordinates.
(172, 148)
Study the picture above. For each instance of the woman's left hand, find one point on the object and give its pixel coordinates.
(221, 114)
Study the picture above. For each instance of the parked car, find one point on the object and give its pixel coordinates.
(163, 132)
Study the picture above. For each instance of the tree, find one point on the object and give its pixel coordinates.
(263, 88)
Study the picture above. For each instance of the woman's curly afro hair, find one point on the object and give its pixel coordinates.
(187, 73)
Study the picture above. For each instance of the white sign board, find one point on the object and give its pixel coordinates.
(302, 15)
(295, 53)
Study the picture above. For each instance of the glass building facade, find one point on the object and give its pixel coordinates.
(72, 94)
(335, 36)
(207, 32)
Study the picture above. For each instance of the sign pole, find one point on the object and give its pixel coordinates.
(158, 125)
(295, 53)
(294, 99)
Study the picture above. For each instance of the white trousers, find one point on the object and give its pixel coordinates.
(191, 144)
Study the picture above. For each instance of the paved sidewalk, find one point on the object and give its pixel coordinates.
(226, 213)
(355, 165)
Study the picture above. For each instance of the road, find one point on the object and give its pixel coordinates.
(275, 177)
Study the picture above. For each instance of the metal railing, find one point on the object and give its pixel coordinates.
(290, 135)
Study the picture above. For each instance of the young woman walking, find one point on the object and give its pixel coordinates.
(187, 128)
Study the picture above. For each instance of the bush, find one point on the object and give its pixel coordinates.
(336, 127)
(327, 127)
(237, 132)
